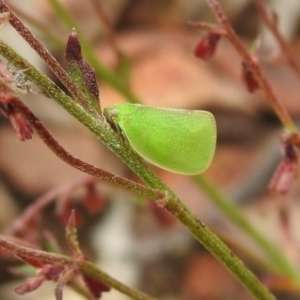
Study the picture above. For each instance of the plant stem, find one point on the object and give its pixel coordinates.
(281, 261)
(270, 21)
(52, 37)
(253, 65)
(83, 265)
(49, 88)
(173, 204)
(47, 57)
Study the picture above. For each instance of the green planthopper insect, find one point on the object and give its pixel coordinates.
(177, 140)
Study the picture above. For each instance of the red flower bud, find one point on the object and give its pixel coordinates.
(248, 79)
(206, 47)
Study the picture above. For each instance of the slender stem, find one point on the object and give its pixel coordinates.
(253, 65)
(47, 57)
(83, 266)
(46, 30)
(286, 48)
(173, 204)
(89, 269)
(83, 166)
(272, 251)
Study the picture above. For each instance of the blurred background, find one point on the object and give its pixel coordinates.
(150, 45)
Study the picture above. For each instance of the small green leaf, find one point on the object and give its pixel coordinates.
(177, 140)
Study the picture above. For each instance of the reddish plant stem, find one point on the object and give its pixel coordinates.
(82, 265)
(39, 204)
(271, 23)
(47, 57)
(48, 139)
(42, 256)
(253, 65)
(44, 28)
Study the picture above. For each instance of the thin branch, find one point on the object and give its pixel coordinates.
(42, 256)
(273, 253)
(43, 28)
(83, 265)
(47, 57)
(102, 130)
(270, 21)
(253, 65)
(173, 204)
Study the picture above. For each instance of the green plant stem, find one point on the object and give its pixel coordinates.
(102, 72)
(173, 204)
(89, 269)
(51, 62)
(272, 251)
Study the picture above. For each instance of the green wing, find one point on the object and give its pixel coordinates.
(181, 141)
